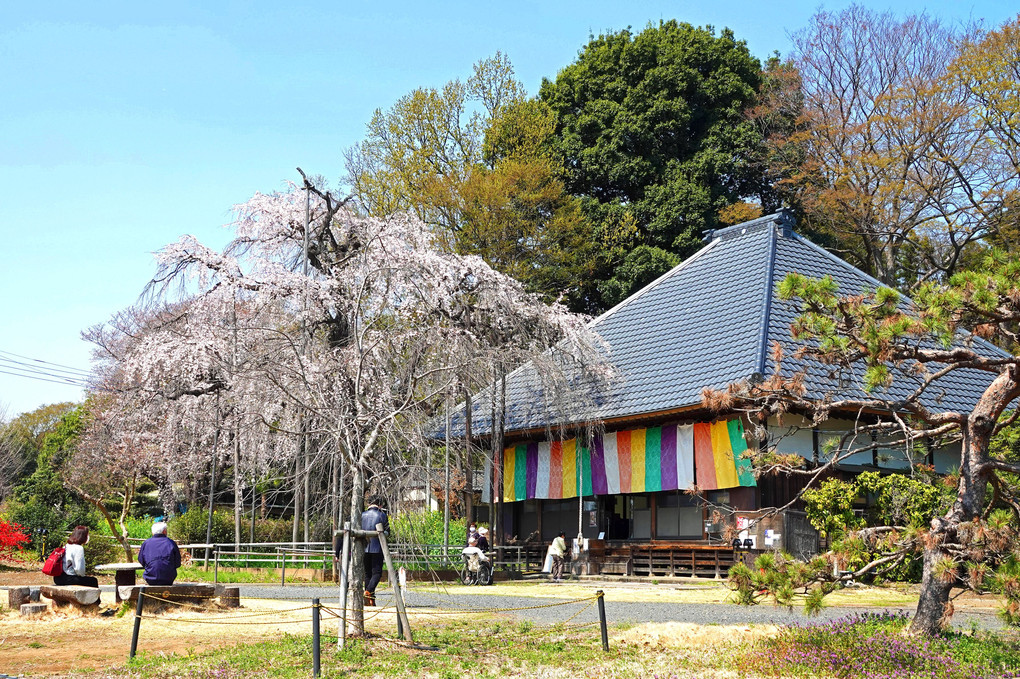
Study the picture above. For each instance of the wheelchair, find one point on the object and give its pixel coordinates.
(475, 571)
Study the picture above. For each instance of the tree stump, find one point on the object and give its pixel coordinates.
(31, 610)
(16, 596)
(231, 597)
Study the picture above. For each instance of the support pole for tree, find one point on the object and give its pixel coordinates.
(602, 620)
(446, 489)
(316, 664)
(395, 582)
(345, 556)
(212, 484)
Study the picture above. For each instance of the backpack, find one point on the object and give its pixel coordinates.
(54, 565)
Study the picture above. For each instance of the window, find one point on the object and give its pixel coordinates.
(677, 516)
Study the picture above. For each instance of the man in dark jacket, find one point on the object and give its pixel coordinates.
(160, 556)
(370, 518)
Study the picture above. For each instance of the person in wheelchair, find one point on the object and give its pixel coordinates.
(477, 567)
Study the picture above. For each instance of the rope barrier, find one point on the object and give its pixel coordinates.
(201, 621)
(243, 618)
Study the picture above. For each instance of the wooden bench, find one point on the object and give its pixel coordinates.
(75, 596)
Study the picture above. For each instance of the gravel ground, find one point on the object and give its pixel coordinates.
(616, 612)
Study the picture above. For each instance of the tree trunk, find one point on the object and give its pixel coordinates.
(932, 612)
(356, 575)
(930, 615)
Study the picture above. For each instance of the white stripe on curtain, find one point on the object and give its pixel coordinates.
(612, 463)
(685, 456)
(542, 479)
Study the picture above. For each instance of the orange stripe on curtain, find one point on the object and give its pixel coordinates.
(704, 462)
(556, 470)
(623, 455)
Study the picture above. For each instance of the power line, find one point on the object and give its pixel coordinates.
(27, 368)
(18, 365)
(58, 380)
(58, 367)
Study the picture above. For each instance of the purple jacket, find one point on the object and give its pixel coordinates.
(369, 519)
(161, 558)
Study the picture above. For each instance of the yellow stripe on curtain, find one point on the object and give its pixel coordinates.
(570, 468)
(637, 460)
(722, 454)
(508, 474)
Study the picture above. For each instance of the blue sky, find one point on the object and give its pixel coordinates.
(125, 125)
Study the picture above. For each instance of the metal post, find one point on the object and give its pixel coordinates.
(138, 622)
(602, 620)
(345, 557)
(283, 568)
(216, 564)
(316, 671)
(395, 582)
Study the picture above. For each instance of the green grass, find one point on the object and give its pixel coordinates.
(197, 574)
(464, 648)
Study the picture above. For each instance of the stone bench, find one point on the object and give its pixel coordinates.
(76, 596)
(18, 596)
(182, 594)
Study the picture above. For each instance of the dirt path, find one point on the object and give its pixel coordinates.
(61, 642)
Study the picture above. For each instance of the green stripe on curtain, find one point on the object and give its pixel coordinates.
(521, 472)
(745, 475)
(653, 459)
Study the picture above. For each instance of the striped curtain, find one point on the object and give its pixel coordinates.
(633, 461)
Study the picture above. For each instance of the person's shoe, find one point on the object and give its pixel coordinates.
(369, 598)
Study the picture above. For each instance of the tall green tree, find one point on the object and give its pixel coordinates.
(21, 440)
(472, 160)
(40, 500)
(906, 151)
(653, 129)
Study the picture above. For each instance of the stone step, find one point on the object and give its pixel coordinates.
(30, 610)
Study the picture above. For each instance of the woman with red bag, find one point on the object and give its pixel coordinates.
(74, 561)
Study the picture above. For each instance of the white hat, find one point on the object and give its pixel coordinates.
(158, 528)
(483, 531)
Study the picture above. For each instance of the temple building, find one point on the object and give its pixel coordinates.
(713, 320)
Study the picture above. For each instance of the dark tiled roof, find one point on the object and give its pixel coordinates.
(712, 321)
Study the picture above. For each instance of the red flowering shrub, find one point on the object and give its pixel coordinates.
(12, 537)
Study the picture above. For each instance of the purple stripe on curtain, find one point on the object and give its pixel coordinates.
(532, 469)
(599, 486)
(668, 457)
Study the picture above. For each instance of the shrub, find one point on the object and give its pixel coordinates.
(274, 530)
(425, 528)
(138, 527)
(13, 537)
(102, 549)
(875, 646)
(34, 515)
(191, 526)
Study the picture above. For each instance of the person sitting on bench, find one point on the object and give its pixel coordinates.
(74, 561)
(160, 556)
